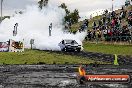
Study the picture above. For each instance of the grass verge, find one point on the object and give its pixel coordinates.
(108, 48)
(42, 57)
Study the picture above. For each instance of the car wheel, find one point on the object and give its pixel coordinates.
(66, 49)
(63, 49)
(82, 80)
(78, 50)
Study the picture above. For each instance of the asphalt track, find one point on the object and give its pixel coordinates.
(56, 76)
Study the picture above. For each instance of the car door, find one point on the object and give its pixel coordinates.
(62, 44)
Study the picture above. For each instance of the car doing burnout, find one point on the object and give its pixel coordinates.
(70, 45)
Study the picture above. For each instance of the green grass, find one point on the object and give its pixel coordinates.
(35, 56)
(108, 48)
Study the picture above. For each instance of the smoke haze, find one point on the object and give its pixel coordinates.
(34, 24)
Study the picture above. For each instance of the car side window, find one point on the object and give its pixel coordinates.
(63, 42)
(72, 42)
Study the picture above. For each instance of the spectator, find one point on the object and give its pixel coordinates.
(110, 27)
(113, 14)
(108, 17)
(105, 33)
(127, 2)
(113, 23)
(100, 23)
(129, 18)
(86, 22)
(94, 25)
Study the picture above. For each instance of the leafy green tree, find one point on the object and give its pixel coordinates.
(71, 17)
(63, 6)
(76, 15)
(42, 3)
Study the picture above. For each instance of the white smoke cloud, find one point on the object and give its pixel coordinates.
(34, 24)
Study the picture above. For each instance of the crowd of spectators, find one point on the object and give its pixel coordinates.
(113, 26)
(84, 26)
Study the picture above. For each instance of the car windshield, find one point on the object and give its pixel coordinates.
(70, 42)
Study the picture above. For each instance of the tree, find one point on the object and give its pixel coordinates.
(71, 17)
(63, 6)
(42, 3)
(76, 15)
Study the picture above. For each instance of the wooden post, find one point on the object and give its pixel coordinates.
(112, 5)
(32, 42)
(1, 11)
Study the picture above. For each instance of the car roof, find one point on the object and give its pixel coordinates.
(68, 39)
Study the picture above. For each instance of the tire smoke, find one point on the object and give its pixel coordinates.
(34, 24)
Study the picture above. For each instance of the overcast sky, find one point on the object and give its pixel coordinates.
(85, 7)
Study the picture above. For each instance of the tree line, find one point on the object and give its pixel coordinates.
(70, 17)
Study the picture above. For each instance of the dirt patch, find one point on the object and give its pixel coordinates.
(122, 60)
(55, 76)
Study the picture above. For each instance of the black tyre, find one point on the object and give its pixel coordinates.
(63, 49)
(82, 80)
(78, 50)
